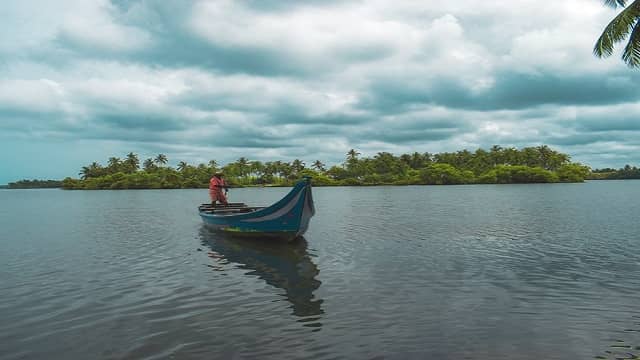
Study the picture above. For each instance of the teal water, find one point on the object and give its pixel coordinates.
(424, 272)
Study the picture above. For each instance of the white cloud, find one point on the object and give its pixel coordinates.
(378, 76)
(93, 24)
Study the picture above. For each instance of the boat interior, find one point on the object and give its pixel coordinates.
(229, 209)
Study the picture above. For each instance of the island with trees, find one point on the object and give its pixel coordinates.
(625, 173)
(497, 165)
(34, 184)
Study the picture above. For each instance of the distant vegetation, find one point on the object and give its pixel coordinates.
(35, 184)
(627, 172)
(494, 166)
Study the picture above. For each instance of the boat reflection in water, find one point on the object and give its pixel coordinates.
(284, 265)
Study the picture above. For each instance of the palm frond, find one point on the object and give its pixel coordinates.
(615, 3)
(617, 30)
(631, 53)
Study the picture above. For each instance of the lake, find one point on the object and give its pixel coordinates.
(416, 272)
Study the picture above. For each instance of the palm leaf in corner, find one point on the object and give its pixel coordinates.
(626, 24)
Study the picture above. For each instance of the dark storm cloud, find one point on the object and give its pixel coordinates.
(510, 91)
(230, 135)
(408, 136)
(610, 122)
(284, 116)
(149, 122)
(582, 139)
(177, 50)
(516, 91)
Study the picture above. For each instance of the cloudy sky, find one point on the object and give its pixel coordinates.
(81, 81)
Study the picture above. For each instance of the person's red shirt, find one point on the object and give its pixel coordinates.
(216, 183)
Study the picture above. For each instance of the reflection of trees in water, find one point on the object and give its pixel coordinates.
(287, 266)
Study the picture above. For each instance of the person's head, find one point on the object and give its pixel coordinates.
(218, 175)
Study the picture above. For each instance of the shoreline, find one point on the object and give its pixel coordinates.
(327, 185)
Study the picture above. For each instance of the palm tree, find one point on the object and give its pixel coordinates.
(286, 170)
(417, 160)
(132, 163)
(496, 155)
(243, 166)
(277, 168)
(85, 173)
(213, 164)
(93, 170)
(352, 161)
(626, 24)
(352, 155)
(544, 155)
(296, 166)
(148, 164)
(256, 168)
(114, 165)
(384, 163)
(161, 159)
(318, 165)
(182, 166)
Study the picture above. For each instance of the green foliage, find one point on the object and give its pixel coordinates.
(627, 172)
(496, 165)
(573, 173)
(624, 25)
(34, 184)
(317, 178)
(520, 174)
(350, 182)
(445, 174)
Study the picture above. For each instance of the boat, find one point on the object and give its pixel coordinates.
(286, 219)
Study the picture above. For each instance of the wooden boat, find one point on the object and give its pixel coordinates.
(287, 218)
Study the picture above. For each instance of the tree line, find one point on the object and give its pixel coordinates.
(627, 172)
(35, 184)
(496, 165)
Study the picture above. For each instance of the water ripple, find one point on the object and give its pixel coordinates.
(483, 272)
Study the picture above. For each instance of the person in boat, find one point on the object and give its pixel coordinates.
(216, 184)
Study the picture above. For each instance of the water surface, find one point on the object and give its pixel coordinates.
(454, 272)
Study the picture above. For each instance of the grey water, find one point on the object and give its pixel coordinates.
(417, 272)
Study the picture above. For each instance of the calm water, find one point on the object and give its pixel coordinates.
(478, 272)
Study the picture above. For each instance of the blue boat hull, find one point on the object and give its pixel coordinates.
(288, 218)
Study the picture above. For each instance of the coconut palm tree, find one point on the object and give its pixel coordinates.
(318, 165)
(132, 163)
(256, 168)
(148, 164)
(93, 170)
(243, 166)
(352, 161)
(277, 168)
(296, 166)
(625, 25)
(417, 160)
(182, 166)
(213, 164)
(161, 159)
(352, 155)
(286, 170)
(114, 165)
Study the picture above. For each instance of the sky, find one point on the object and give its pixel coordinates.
(82, 81)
